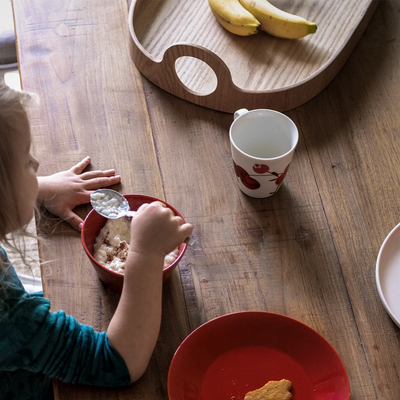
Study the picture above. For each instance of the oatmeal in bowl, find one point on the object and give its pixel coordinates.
(106, 243)
(112, 245)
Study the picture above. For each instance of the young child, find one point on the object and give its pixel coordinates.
(37, 345)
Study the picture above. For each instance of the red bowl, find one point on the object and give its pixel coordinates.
(91, 228)
(236, 353)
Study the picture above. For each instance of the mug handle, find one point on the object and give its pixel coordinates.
(240, 112)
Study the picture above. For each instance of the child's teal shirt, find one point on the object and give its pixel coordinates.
(37, 345)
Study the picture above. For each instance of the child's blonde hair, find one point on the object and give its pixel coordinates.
(13, 109)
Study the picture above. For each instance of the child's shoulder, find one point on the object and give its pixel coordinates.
(4, 257)
(8, 274)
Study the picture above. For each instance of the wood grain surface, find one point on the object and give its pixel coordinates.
(308, 252)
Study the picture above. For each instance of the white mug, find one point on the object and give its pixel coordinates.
(262, 144)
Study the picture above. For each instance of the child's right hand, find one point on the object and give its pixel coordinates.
(156, 230)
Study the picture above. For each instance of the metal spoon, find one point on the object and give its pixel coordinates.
(110, 204)
(113, 205)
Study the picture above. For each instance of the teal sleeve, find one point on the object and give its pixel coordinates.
(54, 344)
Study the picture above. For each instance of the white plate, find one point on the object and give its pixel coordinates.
(388, 274)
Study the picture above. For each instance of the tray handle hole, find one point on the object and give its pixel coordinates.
(196, 75)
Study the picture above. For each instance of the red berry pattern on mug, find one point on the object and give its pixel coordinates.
(261, 170)
(282, 176)
(247, 181)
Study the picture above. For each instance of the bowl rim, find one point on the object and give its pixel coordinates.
(128, 196)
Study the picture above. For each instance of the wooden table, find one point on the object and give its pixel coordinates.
(308, 252)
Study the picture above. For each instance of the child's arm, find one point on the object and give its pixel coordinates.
(56, 345)
(60, 193)
(134, 328)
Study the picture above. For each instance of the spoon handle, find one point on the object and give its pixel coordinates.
(189, 241)
(129, 213)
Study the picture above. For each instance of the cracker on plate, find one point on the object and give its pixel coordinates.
(273, 390)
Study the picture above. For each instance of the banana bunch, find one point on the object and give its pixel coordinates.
(247, 17)
(234, 17)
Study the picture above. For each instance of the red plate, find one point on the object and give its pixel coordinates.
(233, 354)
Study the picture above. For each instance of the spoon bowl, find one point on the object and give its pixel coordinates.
(110, 204)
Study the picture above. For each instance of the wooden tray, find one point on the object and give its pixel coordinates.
(180, 47)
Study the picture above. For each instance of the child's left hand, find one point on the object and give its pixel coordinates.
(60, 193)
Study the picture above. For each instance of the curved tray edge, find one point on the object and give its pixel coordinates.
(227, 97)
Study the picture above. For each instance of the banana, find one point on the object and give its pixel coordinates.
(234, 17)
(277, 22)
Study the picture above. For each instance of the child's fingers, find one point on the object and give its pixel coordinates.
(142, 207)
(73, 219)
(78, 168)
(100, 182)
(155, 204)
(97, 174)
(185, 231)
(90, 175)
(165, 210)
